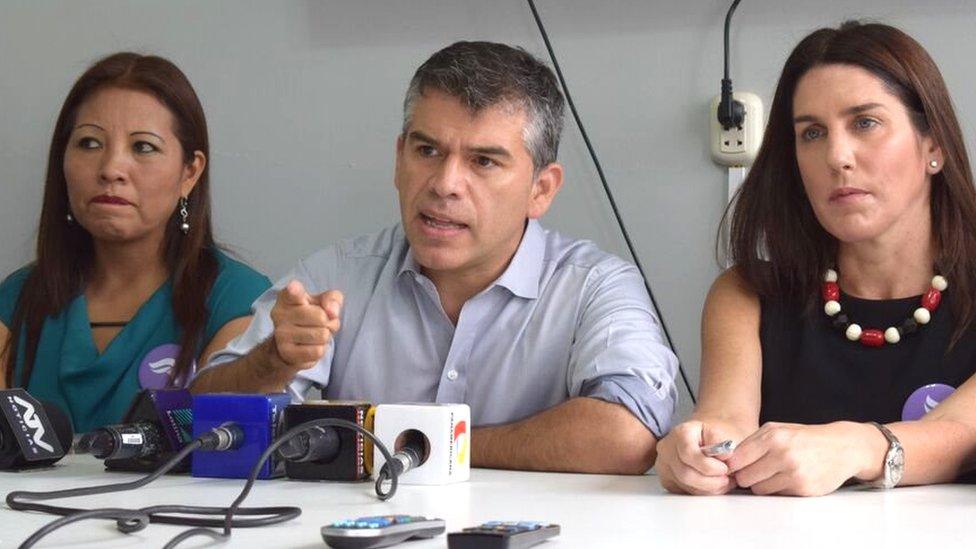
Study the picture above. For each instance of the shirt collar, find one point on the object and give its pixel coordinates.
(523, 272)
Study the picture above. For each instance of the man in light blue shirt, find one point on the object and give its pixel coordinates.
(553, 343)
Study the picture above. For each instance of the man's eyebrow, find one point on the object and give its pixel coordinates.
(491, 151)
(487, 150)
(417, 135)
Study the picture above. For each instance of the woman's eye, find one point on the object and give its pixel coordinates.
(144, 147)
(810, 134)
(865, 123)
(88, 143)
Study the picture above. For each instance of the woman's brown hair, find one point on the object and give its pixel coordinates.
(775, 241)
(65, 251)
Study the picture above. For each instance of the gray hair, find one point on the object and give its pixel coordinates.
(485, 74)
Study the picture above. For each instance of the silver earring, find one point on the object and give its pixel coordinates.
(933, 164)
(70, 219)
(184, 215)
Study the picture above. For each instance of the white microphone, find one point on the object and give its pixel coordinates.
(432, 442)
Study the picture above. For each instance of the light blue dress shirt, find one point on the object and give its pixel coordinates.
(564, 320)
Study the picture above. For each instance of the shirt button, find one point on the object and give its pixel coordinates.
(452, 375)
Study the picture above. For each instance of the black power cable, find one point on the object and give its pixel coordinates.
(134, 520)
(731, 113)
(606, 188)
(728, 24)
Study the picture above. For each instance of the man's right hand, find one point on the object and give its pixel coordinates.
(304, 324)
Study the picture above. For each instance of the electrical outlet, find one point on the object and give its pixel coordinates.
(732, 140)
(738, 145)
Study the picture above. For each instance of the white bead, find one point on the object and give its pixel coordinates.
(853, 332)
(831, 307)
(830, 276)
(922, 315)
(892, 336)
(940, 283)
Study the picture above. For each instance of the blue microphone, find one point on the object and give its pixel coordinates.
(256, 418)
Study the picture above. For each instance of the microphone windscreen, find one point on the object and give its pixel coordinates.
(32, 433)
(60, 422)
(436, 434)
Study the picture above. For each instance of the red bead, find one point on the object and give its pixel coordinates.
(872, 338)
(931, 299)
(831, 291)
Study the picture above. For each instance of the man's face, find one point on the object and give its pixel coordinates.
(466, 186)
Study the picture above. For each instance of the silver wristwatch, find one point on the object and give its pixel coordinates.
(894, 460)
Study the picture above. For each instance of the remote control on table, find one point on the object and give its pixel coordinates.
(502, 535)
(380, 531)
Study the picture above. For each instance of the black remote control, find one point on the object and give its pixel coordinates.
(502, 535)
(381, 531)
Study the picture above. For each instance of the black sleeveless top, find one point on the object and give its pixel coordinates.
(811, 372)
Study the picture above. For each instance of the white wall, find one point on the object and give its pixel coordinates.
(303, 100)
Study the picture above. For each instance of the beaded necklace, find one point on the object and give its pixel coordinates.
(875, 337)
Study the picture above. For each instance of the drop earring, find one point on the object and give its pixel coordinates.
(184, 215)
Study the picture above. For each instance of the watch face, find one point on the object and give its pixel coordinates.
(894, 466)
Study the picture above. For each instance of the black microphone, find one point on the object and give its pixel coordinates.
(144, 439)
(122, 442)
(328, 453)
(33, 433)
(316, 444)
(158, 424)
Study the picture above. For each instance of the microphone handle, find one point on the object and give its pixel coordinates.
(405, 459)
(132, 440)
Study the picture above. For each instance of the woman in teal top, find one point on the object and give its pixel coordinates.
(129, 290)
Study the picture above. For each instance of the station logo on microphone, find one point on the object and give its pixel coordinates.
(460, 444)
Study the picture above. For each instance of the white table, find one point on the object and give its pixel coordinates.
(593, 511)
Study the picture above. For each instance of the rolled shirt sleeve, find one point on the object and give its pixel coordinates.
(620, 354)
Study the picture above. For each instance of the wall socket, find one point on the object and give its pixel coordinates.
(737, 146)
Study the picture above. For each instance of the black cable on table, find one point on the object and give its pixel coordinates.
(291, 433)
(133, 520)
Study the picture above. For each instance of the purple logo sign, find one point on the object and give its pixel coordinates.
(156, 366)
(924, 399)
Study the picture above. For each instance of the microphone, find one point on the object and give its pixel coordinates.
(247, 424)
(412, 451)
(123, 442)
(328, 453)
(158, 424)
(33, 433)
(431, 442)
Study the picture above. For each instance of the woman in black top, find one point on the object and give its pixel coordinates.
(852, 297)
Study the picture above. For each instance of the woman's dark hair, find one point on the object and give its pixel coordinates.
(775, 241)
(65, 251)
